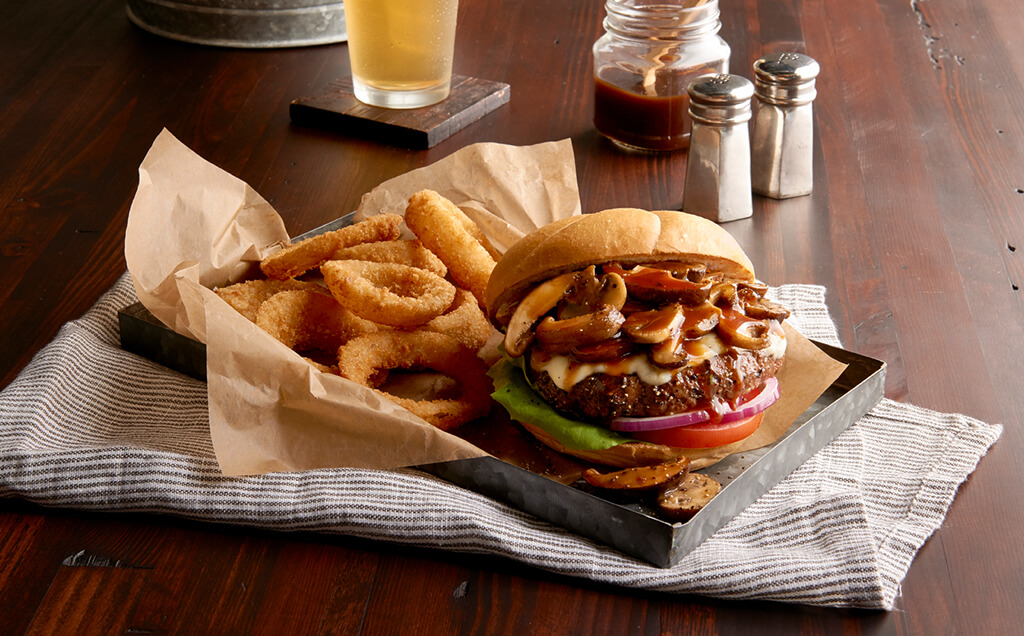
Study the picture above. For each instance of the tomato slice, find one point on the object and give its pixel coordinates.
(705, 435)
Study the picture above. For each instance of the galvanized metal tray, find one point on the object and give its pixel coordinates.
(249, 24)
(634, 528)
(631, 528)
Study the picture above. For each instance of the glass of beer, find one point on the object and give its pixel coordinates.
(401, 50)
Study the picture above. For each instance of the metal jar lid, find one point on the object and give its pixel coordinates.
(786, 79)
(720, 99)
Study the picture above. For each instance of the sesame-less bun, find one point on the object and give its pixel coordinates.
(626, 455)
(627, 236)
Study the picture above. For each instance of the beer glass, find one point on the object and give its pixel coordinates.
(401, 50)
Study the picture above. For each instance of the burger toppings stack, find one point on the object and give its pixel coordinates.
(632, 337)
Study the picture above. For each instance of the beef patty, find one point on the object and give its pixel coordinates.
(602, 397)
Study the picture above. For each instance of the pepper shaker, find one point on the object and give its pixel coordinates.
(717, 183)
(782, 130)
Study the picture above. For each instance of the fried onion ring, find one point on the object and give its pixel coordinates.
(310, 253)
(247, 297)
(441, 225)
(363, 360)
(464, 321)
(404, 252)
(474, 230)
(388, 293)
(305, 320)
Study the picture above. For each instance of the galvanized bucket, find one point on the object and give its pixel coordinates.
(242, 23)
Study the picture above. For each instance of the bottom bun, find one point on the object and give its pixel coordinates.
(628, 455)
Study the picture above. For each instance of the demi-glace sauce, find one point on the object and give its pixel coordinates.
(642, 121)
(627, 112)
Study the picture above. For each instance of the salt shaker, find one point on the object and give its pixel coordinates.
(717, 183)
(782, 130)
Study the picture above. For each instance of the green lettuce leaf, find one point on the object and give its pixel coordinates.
(513, 392)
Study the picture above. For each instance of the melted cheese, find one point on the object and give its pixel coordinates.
(566, 372)
(777, 341)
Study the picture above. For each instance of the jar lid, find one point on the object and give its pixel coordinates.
(786, 79)
(720, 99)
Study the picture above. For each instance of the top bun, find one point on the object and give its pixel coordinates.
(627, 236)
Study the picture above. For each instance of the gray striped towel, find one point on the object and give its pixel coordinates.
(91, 427)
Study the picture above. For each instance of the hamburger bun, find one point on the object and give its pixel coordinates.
(628, 455)
(629, 236)
(630, 320)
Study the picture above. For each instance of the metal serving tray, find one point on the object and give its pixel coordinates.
(633, 528)
(630, 527)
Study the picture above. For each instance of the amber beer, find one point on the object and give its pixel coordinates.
(401, 50)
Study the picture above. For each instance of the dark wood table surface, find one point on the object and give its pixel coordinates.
(915, 226)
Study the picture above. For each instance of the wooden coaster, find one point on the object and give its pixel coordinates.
(337, 109)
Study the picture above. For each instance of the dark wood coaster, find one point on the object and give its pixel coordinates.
(337, 109)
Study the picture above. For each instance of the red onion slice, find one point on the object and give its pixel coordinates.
(767, 396)
(634, 424)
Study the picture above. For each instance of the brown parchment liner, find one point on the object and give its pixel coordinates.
(193, 227)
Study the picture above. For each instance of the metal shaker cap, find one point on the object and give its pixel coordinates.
(720, 99)
(786, 79)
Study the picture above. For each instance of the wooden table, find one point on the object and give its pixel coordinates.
(915, 226)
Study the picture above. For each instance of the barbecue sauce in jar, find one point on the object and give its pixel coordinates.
(644, 63)
(640, 121)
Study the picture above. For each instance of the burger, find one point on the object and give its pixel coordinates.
(632, 337)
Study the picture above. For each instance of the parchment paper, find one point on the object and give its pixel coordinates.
(806, 373)
(193, 227)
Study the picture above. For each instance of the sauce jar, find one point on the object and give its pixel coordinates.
(643, 64)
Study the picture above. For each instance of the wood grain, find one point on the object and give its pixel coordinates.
(915, 228)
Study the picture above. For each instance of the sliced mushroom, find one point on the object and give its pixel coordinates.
(757, 287)
(583, 296)
(660, 286)
(640, 479)
(739, 330)
(655, 325)
(700, 320)
(613, 290)
(688, 497)
(766, 310)
(589, 293)
(722, 293)
(561, 336)
(670, 353)
(693, 272)
(543, 298)
(604, 351)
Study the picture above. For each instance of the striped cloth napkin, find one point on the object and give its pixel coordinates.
(91, 427)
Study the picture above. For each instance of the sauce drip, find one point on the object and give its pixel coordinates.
(738, 322)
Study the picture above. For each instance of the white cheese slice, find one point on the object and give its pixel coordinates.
(566, 372)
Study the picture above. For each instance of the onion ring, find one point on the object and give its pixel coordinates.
(247, 297)
(306, 320)
(474, 230)
(404, 252)
(441, 225)
(298, 258)
(464, 321)
(388, 293)
(363, 360)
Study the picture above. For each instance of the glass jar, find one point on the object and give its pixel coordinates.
(643, 64)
